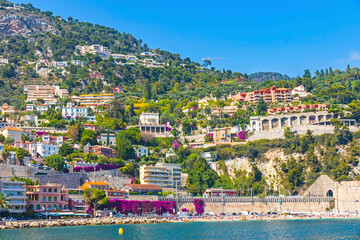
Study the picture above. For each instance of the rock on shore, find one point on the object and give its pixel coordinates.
(81, 222)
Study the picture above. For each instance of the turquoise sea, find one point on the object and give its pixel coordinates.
(281, 229)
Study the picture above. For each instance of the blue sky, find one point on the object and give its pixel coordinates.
(279, 36)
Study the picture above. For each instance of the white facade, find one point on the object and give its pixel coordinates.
(42, 108)
(141, 151)
(76, 62)
(73, 112)
(15, 191)
(45, 150)
(149, 119)
(94, 49)
(103, 137)
(300, 90)
(3, 61)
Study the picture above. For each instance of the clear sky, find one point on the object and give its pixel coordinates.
(280, 36)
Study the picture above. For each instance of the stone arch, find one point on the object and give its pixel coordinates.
(54, 207)
(38, 207)
(321, 118)
(302, 120)
(312, 119)
(265, 124)
(31, 206)
(60, 207)
(274, 123)
(293, 121)
(64, 206)
(330, 193)
(284, 122)
(254, 125)
(328, 117)
(49, 207)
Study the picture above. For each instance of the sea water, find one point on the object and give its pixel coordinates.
(277, 229)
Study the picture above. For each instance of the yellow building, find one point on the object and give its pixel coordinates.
(96, 99)
(222, 135)
(98, 185)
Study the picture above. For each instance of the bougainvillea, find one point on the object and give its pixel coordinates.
(199, 206)
(242, 135)
(185, 210)
(140, 207)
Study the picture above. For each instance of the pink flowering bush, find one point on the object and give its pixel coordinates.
(185, 210)
(199, 205)
(140, 207)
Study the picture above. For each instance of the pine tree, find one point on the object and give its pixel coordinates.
(261, 107)
(326, 72)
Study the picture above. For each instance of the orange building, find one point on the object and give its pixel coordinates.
(271, 94)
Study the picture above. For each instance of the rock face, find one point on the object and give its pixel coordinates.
(18, 23)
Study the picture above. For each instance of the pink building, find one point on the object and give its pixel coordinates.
(118, 89)
(28, 146)
(49, 197)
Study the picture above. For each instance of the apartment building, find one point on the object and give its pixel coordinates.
(45, 92)
(271, 94)
(300, 91)
(222, 135)
(4, 61)
(76, 199)
(141, 151)
(49, 197)
(71, 112)
(165, 175)
(94, 49)
(15, 191)
(96, 99)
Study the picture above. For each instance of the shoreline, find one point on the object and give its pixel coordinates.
(146, 220)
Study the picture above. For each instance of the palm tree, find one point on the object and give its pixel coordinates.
(4, 202)
(5, 154)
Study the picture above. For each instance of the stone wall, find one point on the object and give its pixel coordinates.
(7, 170)
(239, 207)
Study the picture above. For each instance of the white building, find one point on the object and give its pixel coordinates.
(45, 150)
(30, 107)
(165, 175)
(141, 151)
(16, 193)
(300, 90)
(3, 61)
(102, 138)
(42, 108)
(149, 118)
(76, 62)
(72, 112)
(94, 49)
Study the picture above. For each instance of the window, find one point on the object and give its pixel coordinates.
(49, 199)
(44, 199)
(44, 189)
(55, 189)
(50, 189)
(55, 199)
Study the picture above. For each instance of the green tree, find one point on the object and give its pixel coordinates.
(95, 198)
(55, 161)
(261, 107)
(66, 149)
(5, 202)
(125, 149)
(129, 169)
(88, 136)
(133, 134)
(20, 154)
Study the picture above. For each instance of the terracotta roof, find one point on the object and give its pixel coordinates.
(13, 129)
(144, 187)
